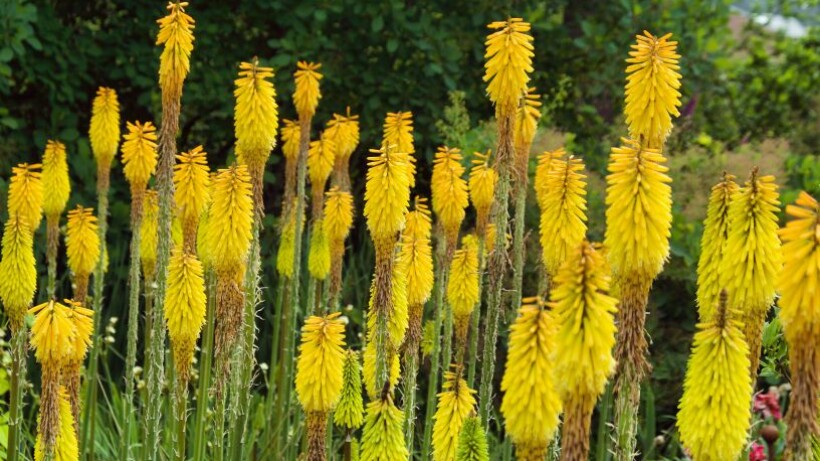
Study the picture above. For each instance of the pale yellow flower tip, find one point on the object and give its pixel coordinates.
(176, 33)
(105, 126)
(256, 118)
(307, 94)
(509, 62)
(55, 177)
(319, 368)
(652, 95)
(139, 153)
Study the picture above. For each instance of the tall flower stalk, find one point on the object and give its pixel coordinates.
(416, 261)
(584, 342)
(800, 314)
(139, 158)
(509, 53)
(337, 222)
(306, 97)
(82, 243)
(639, 215)
(526, 124)
(228, 239)
(18, 283)
(55, 197)
(177, 39)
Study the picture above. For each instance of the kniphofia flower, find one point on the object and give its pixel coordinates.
(83, 248)
(382, 438)
(715, 410)
(104, 133)
(545, 164)
(563, 218)
(349, 412)
(387, 193)
(55, 176)
(455, 403)
(713, 245)
(185, 305)
(66, 447)
(192, 183)
(508, 63)
(398, 132)
(231, 218)
(320, 366)
(18, 272)
(177, 36)
(531, 404)
(652, 95)
(139, 154)
(148, 234)
(415, 259)
(26, 194)
(483, 178)
(463, 287)
(449, 191)
(306, 95)
(472, 442)
(255, 114)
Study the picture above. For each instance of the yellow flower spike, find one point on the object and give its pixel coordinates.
(192, 182)
(319, 254)
(338, 215)
(320, 160)
(290, 139)
(753, 258)
(18, 272)
(285, 255)
(148, 234)
(26, 194)
(387, 193)
(139, 154)
(472, 442)
(584, 342)
(585, 315)
(176, 33)
(383, 438)
(256, 118)
(531, 404)
(542, 171)
(398, 132)
(463, 288)
(639, 210)
(52, 334)
(349, 412)
(508, 63)
(184, 308)
(369, 370)
(82, 241)
(652, 95)
(563, 219)
(714, 412)
(526, 124)
(416, 255)
(66, 447)
(231, 218)
(306, 95)
(105, 127)
(713, 245)
(83, 321)
(449, 191)
(800, 315)
(455, 403)
(319, 368)
(799, 282)
(345, 130)
(55, 175)
(483, 178)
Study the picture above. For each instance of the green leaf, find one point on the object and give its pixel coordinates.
(377, 24)
(392, 45)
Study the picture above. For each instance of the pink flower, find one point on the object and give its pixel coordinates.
(757, 453)
(768, 405)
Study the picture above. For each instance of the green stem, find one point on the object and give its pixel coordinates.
(627, 403)
(411, 368)
(206, 357)
(156, 356)
(292, 308)
(181, 405)
(52, 247)
(89, 419)
(435, 356)
(131, 354)
(476, 320)
(16, 443)
(518, 243)
(497, 267)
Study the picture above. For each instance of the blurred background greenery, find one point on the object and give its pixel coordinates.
(750, 97)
